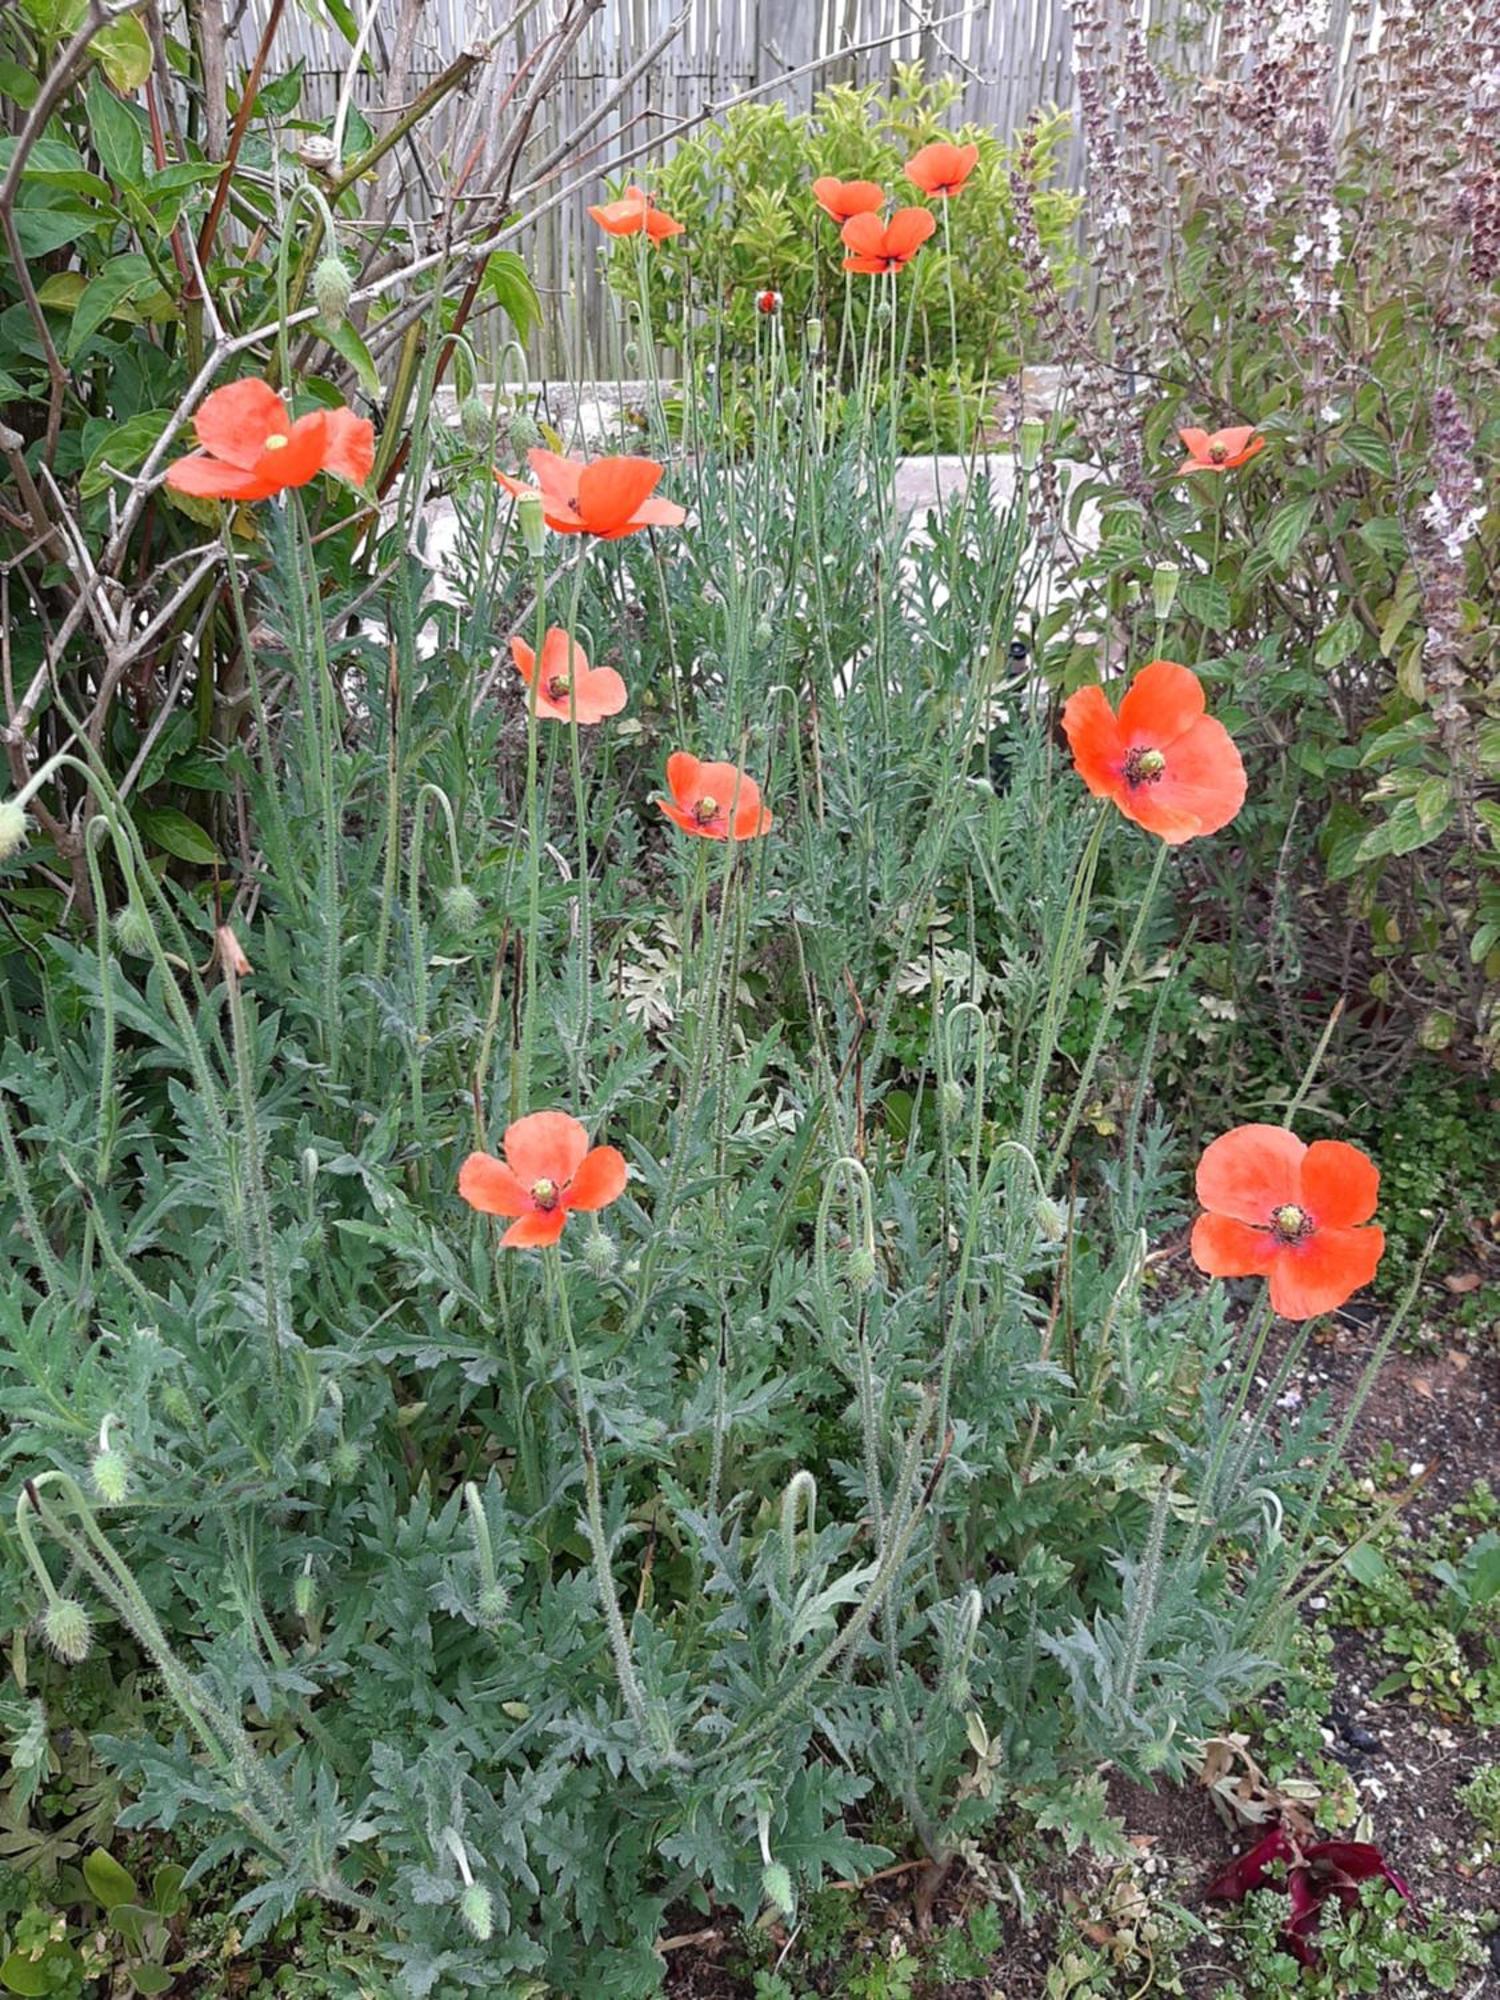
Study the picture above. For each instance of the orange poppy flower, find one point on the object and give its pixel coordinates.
(841, 199)
(595, 691)
(1219, 451)
(548, 1170)
(704, 795)
(634, 211)
(252, 448)
(942, 168)
(1167, 765)
(606, 497)
(874, 245)
(1290, 1213)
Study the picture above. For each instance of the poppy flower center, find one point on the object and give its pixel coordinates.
(1291, 1223)
(277, 441)
(558, 686)
(545, 1194)
(1217, 453)
(1144, 767)
(706, 810)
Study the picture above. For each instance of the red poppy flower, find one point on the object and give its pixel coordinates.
(704, 796)
(1219, 451)
(252, 448)
(1315, 1871)
(634, 211)
(606, 497)
(548, 1170)
(1290, 1213)
(841, 199)
(595, 691)
(1167, 765)
(768, 302)
(942, 168)
(874, 245)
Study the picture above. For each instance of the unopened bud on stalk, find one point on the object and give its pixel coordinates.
(132, 931)
(632, 354)
(305, 1595)
(815, 336)
(491, 1605)
(533, 526)
(110, 1474)
(765, 632)
(66, 1629)
(1164, 589)
(344, 1461)
(461, 909)
(474, 422)
(599, 1253)
(477, 1908)
(523, 432)
(951, 1102)
(861, 1269)
(12, 828)
(1051, 1219)
(1033, 434)
(776, 1886)
(332, 288)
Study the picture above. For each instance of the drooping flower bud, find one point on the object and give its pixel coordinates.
(951, 1102)
(533, 525)
(461, 909)
(474, 422)
(861, 1268)
(521, 429)
(110, 1474)
(344, 1461)
(491, 1605)
(477, 1908)
(12, 828)
(1164, 589)
(776, 1886)
(305, 1595)
(132, 931)
(67, 1631)
(1051, 1219)
(332, 288)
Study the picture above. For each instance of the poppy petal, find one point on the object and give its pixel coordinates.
(1340, 1184)
(1250, 1172)
(599, 1181)
(1318, 1274)
(907, 230)
(1235, 439)
(682, 776)
(235, 421)
(1204, 779)
(1094, 737)
(660, 225)
(524, 658)
(350, 451)
(600, 693)
(557, 478)
(658, 512)
(611, 489)
(1224, 1248)
(301, 458)
(1252, 1870)
(489, 1185)
(751, 820)
(864, 235)
(686, 820)
(207, 478)
(1162, 703)
(535, 1231)
(1194, 441)
(545, 1146)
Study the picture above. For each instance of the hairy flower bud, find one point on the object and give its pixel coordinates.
(461, 909)
(765, 633)
(474, 422)
(951, 1102)
(131, 928)
(522, 432)
(67, 1631)
(344, 1461)
(12, 828)
(533, 525)
(776, 1886)
(305, 1595)
(1164, 580)
(491, 1605)
(1051, 1219)
(600, 1253)
(110, 1474)
(861, 1269)
(332, 288)
(477, 1908)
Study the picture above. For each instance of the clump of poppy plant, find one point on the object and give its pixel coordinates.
(635, 213)
(875, 246)
(714, 801)
(843, 199)
(570, 690)
(252, 448)
(603, 497)
(1311, 1872)
(548, 1170)
(1219, 451)
(1165, 763)
(941, 168)
(1295, 1214)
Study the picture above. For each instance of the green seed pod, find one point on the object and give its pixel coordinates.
(776, 1886)
(332, 288)
(1164, 589)
(533, 525)
(474, 422)
(132, 931)
(67, 1631)
(815, 336)
(477, 1908)
(461, 910)
(600, 1254)
(1033, 434)
(12, 828)
(110, 1473)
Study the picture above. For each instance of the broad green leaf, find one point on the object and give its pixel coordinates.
(122, 450)
(152, 1979)
(1339, 641)
(24, 1974)
(1385, 534)
(176, 834)
(44, 228)
(120, 279)
(508, 283)
(63, 290)
(345, 341)
(116, 136)
(18, 84)
(124, 52)
(166, 1889)
(108, 1882)
(1287, 525)
(1206, 601)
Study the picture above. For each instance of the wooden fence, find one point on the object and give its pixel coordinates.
(1009, 56)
